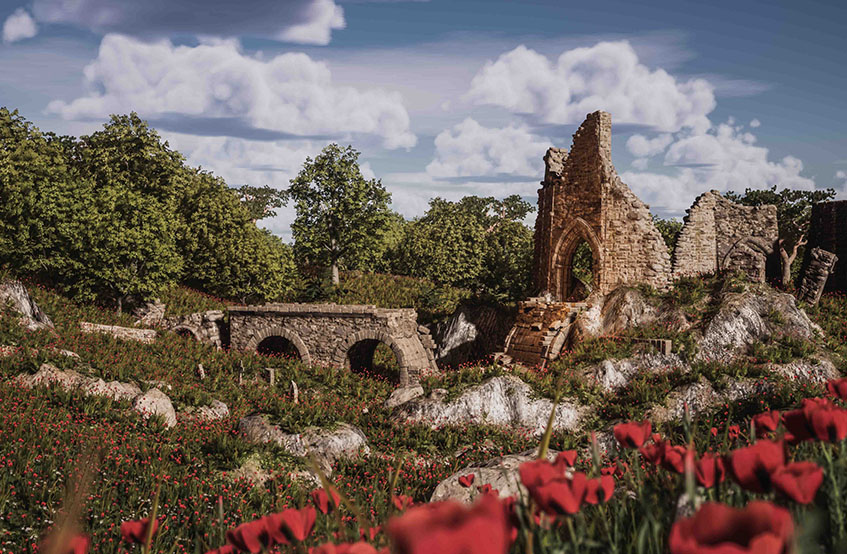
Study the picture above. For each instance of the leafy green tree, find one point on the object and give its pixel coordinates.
(669, 229)
(225, 254)
(36, 189)
(507, 263)
(261, 202)
(793, 212)
(340, 214)
(123, 243)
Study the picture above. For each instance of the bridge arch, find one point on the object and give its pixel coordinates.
(187, 331)
(282, 332)
(342, 355)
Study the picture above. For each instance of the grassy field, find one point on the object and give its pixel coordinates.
(49, 438)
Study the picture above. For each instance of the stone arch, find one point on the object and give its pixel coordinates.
(341, 357)
(187, 331)
(577, 232)
(751, 255)
(282, 332)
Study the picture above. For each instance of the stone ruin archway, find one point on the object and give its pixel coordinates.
(187, 332)
(578, 233)
(281, 340)
(338, 335)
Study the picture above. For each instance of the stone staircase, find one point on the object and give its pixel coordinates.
(541, 331)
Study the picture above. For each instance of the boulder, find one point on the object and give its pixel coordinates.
(49, 374)
(504, 400)
(15, 295)
(501, 473)
(114, 389)
(819, 369)
(755, 315)
(610, 315)
(613, 375)
(702, 396)
(472, 333)
(326, 445)
(403, 394)
(214, 411)
(155, 402)
(118, 332)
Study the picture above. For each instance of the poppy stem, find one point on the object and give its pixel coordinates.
(836, 493)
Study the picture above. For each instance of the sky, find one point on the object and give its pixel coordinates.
(450, 97)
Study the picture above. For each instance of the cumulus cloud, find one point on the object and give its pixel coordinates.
(842, 175)
(755, 123)
(641, 147)
(288, 94)
(724, 158)
(18, 26)
(470, 150)
(303, 21)
(607, 76)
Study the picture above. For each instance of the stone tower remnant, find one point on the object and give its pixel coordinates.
(828, 231)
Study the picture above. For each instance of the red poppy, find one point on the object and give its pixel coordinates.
(733, 432)
(226, 549)
(828, 422)
(599, 490)
(321, 500)
(766, 422)
(344, 548)
(798, 427)
(253, 536)
(136, 531)
(77, 544)
(838, 388)
(551, 490)
(673, 458)
(451, 528)
(566, 458)
(296, 524)
(709, 470)
(751, 466)
(467, 480)
(488, 489)
(655, 451)
(401, 501)
(370, 533)
(798, 481)
(632, 434)
(759, 528)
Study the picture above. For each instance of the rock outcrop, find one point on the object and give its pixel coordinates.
(155, 403)
(612, 375)
(472, 333)
(504, 400)
(755, 315)
(501, 473)
(326, 445)
(15, 295)
(118, 332)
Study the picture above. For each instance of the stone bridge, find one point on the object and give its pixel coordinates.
(334, 334)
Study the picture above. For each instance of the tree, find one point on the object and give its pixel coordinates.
(339, 213)
(224, 253)
(793, 212)
(123, 241)
(669, 229)
(261, 202)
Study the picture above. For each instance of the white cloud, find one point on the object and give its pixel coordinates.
(289, 93)
(841, 174)
(18, 26)
(302, 21)
(640, 146)
(724, 158)
(755, 123)
(469, 149)
(607, 76)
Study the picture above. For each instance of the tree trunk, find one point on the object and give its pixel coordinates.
(788, 259)
(335, 280)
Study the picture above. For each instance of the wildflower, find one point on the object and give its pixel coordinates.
(766, 422)
(798, 481)
(322, 500)
(360, 547)
(253, 536)
(136, 531)
(451, 528)
(673, 458)
(401, 501)
(225, 549)
(566, 458)
(709, 470)
(751, 466)
(296, 524)
(631, 434)
(838, 388)
(467, 480)
(599, 490)
(551, 489)
(760, 527)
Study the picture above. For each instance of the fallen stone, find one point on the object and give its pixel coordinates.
(49, 374)
(122, 333)
(15, 295)
(403, 394)
(214, 411)
(114, 389)
(326, 445)
(504, 400)
(501, 473)
(155, 402)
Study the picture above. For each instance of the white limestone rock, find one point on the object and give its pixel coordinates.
(15, 295)
(155, 402)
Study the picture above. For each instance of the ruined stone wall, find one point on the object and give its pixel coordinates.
(721, 235)
(583, 199)
(325, 333)
(696, 245)
(828, 231)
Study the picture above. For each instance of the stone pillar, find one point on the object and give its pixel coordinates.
(818, 270)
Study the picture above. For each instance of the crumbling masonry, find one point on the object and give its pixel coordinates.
(582, 200)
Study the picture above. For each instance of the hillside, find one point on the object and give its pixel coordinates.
(207, 467)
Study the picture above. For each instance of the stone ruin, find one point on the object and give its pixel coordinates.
(583, 203)
(828, 232)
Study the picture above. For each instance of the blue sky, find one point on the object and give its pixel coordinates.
(455, 97)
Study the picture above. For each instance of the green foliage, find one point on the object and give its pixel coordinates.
(669, 229)
(582, 266)
(339, 213)
(477, 243)
(260, 202)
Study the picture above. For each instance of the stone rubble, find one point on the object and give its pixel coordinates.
(819, 265)
(15, 295)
